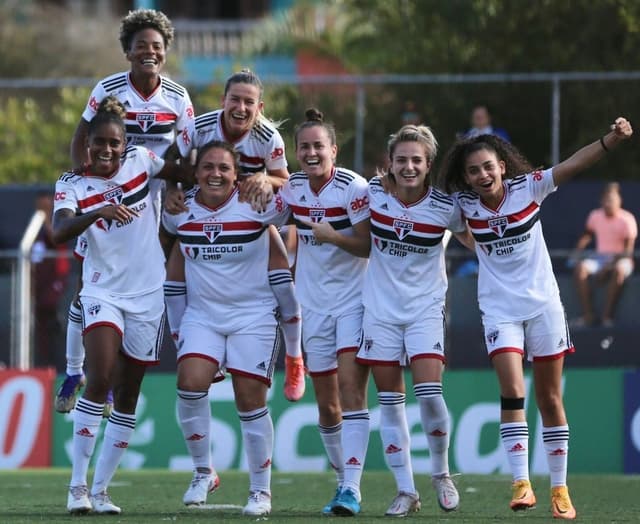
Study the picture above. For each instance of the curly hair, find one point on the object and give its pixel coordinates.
(143, 19)
(451, 175)
(110, 111)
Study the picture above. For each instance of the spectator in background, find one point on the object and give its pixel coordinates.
(614, 230)
(410, 115)
(50, 283)
(481, 124)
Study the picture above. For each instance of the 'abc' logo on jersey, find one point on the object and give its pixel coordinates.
(402, 228)
(145, 120)
(498, 225)
(113, 195)
(316, 215)
(212, 231)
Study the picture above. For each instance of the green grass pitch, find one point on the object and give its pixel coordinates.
(148, 496)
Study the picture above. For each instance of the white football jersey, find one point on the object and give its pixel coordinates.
(328, 279)
(120, 258)
(261, 148)
(516, 279)
(153, 121)
(407, 274)
(226, 252)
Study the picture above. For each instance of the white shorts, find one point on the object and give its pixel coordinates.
(598, 263)
(387, 344)
(251, 351)
(139, 320)
(545, 336)
(325, 336)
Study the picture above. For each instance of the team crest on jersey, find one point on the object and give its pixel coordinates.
(498, 225)
(93, 309)
(191, 252)
(492, 336)
(212, 231)
(402, 228)
(381, 244)
(145, 120)
(316, 215)
(114, 196)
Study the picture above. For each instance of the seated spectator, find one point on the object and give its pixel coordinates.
(615, 231)
(481, 124)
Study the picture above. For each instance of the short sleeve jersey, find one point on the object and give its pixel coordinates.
(611, 232)
(516, 279)
(226, 252)
(259, 148)
(120, 258)
(328, 278)
(152, 121)
(407, 274)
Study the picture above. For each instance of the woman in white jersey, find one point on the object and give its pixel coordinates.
(230, 319)
(331, 213)
(122, 303)
(404, 298)
(500, 197)
(157, 110)
(263, 170)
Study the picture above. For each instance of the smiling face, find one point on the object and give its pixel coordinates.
(147, 53)
(106, 145)
(241, 106)
(410, 167)
(483, 171)
(216, 176)
(315, 153)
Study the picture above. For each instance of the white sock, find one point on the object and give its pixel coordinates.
(117, 435)
(331, 437)
(175, 297)
(515, 439)
(194, 414)
(257, 437)
(556, 445)
(396, 442)
(355, 440)
(281, 282)
(74, 349)
(87, 417)
(435, 423)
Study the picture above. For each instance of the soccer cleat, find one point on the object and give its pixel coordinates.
(78, 502)
(328, 508)
(201, 485)
(403, 504)
(561, 505)
(259, 504)
(294, 373)
(523, 497)
(108, 405)
(102, 504)
(68, 392)
(446, 491)
(346, 504)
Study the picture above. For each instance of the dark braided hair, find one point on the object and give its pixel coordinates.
(110, 111)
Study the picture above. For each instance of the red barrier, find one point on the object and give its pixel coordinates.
(25, 423)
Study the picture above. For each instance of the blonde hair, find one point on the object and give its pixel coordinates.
(414, 133)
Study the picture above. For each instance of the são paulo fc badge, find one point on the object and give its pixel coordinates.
(492, 336)
(498, 225)
(212, 231)
(93, 309)
(402, 228)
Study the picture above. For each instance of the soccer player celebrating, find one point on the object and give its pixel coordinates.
(263, 168)
(229, 319)
(157, 109)
(404, 298)
(331, 213)
(500, 196)
(121, 301)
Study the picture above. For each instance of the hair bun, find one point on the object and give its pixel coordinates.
(313, 115)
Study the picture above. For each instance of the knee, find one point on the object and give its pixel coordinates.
(549, 402)
(581, 273)
(330, 411)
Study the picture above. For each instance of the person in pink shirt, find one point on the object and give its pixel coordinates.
(614, 230)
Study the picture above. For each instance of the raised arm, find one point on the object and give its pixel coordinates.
(589, 155)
